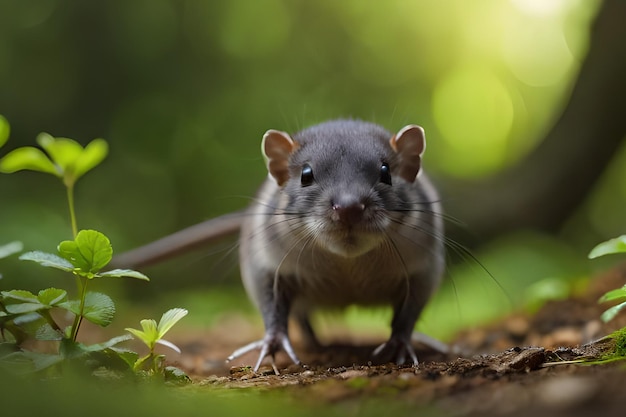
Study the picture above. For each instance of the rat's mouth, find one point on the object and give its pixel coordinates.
(351, 244)
(348, 241)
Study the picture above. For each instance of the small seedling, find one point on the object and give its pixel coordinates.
(151, 335)
(613, 246)
(64, 158)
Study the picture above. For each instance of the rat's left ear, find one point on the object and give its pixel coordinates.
(277, 146)
(409, 143)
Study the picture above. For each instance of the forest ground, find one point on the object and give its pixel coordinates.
(512, 367)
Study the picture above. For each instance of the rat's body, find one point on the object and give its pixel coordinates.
(342, 219)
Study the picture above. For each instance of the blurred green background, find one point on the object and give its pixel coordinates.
(183, 91)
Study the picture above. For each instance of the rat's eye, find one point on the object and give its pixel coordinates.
(306, 178)
(385, 173)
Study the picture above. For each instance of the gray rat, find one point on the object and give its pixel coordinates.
(346, 216)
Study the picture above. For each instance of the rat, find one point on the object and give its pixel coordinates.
(346, 216)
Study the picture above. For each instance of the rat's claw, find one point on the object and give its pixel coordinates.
(431, 342)
(269, 345)
(396, 350)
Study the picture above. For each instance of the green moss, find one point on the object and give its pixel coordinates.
(620, 342)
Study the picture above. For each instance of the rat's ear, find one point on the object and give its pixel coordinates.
(409, 143)
(277, 146)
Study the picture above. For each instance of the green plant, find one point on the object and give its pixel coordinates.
(151, 335)
(64, 158)
(612, 246)
(25, 315)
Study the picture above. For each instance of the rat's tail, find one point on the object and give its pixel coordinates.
(200, 234)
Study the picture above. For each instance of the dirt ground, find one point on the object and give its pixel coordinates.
(514, 367)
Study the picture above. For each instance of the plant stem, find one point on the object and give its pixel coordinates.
(70, 202)
(82, 290)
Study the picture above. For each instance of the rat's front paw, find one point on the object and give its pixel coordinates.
(268, 346)
(396, 349)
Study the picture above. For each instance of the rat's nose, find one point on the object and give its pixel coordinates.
(348, 210)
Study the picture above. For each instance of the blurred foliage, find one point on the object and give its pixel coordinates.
(79, 396)
(183, 91)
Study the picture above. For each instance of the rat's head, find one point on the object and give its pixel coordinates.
(344, 181)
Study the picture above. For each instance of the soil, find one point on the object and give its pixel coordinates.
(518, 366)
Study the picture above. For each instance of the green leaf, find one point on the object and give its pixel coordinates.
(89, 252)
(70, 349)
(47, 333)
(613, 295)
(63, 151)
(169, 345)
(169, 319)
(20, 295)
(108, 344)
(139, 363)
(5, 130)
(176, 375)
(73, 306)
(73, 160)
(139, 334)
(120, 273)
(28, 362)
(51, 296)
(47, 259)
(92, 155)
(99, 308)
(30, 158)
(10, 248)
(128, 356)
(609, 314)
(149, 335)
(113, 360)
(21, 308)
(616, 245)
(27, 319)
(150, 329)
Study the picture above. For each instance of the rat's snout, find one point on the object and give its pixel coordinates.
(347, 209)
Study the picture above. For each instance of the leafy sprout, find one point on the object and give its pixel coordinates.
(152, 334)
(63, 158)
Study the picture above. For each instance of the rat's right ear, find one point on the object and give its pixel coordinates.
(277, 146)
(409, 144)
